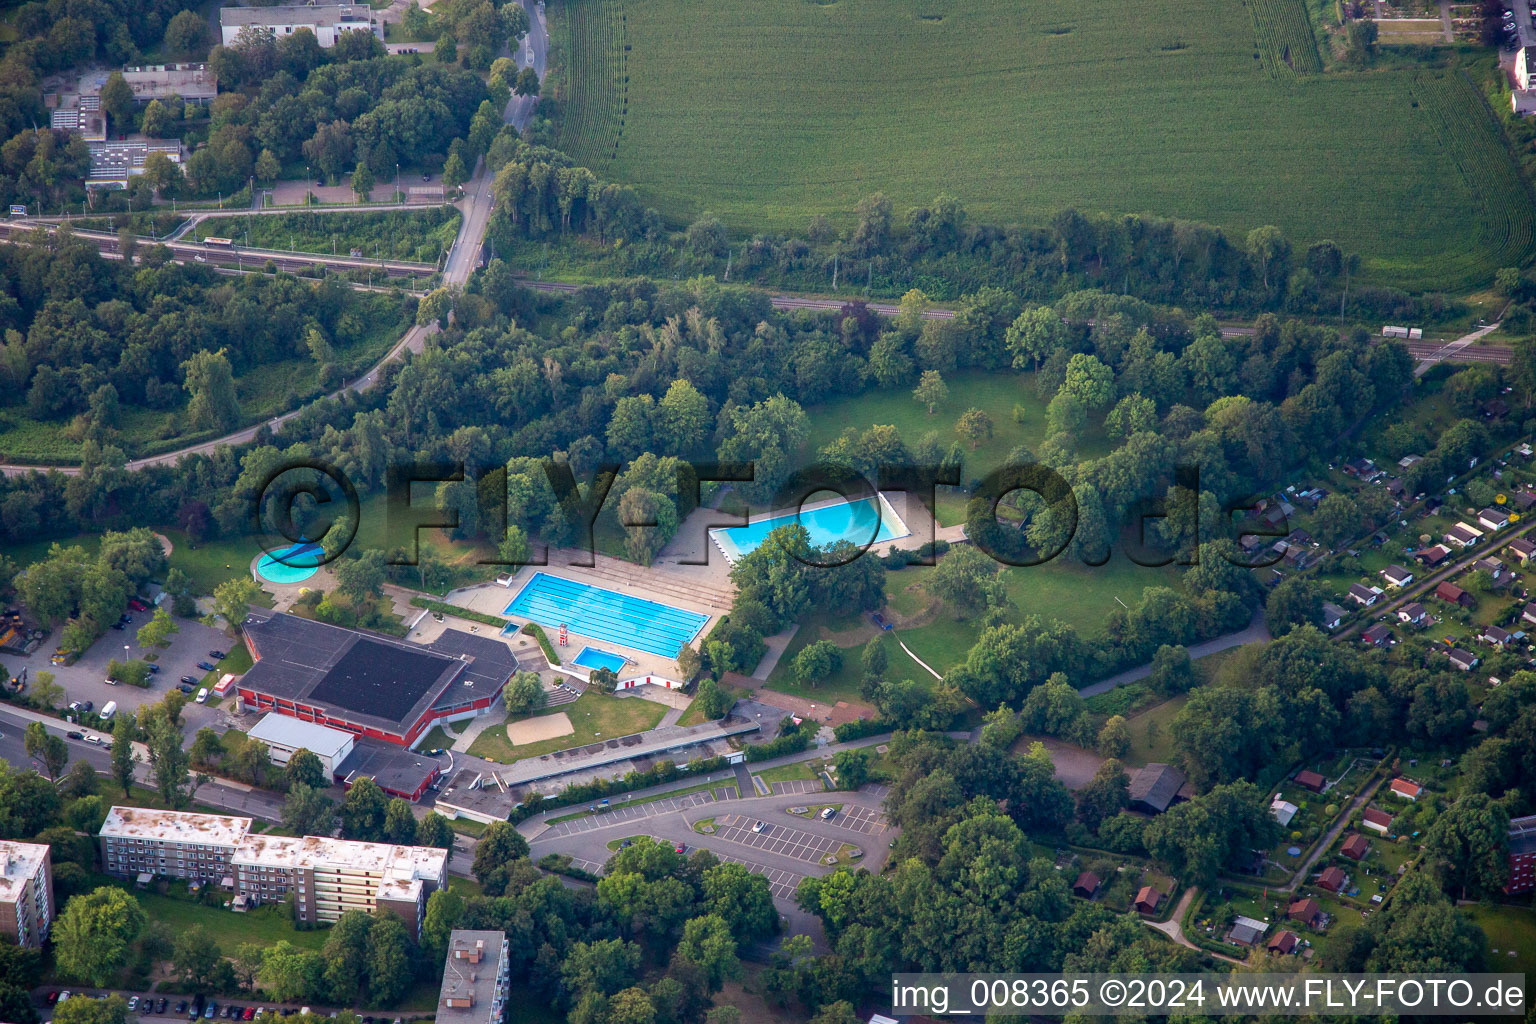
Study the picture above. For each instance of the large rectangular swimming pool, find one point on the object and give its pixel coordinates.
(553, 601)
(866, 521)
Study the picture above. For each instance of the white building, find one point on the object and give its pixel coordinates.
(140, 843)
(284, 735)
(1525, 66)
(26, 892)
(1283, 810)
(326, 22)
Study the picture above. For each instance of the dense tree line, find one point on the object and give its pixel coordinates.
(89, 340)
(938, 247)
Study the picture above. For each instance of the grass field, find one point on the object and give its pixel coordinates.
(420, 235)
(768, 113)
(1509, 929)
(595, 716)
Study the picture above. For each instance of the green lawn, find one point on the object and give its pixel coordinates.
(1143, 750)
(421, 235)
(1021, 110)
(437, 737)
(1508, 929)
(594, 716)
(786, 772)
(264, 925)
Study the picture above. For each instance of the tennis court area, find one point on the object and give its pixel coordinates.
(606, 615)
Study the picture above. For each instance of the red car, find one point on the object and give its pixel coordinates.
(53, 997)
(250, 1011)
(679, 848)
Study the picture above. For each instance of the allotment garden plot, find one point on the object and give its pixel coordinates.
(770, 112)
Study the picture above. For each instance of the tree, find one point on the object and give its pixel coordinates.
(817, 661)
(604, 966)
(157, 631)
(306, 769)
(434, 830)
(875, 659)
(47, 748)
(389, 960)
(81, 780)
(435, 306)
(207, 749)
(345, 955)
(82, 1009)
(186, 34)
(852, 768)
(966, 579)
(399, 823)
(117, 101)
(361, 579)
(94, 935)
(268, 168)
(232, 601)
(363, 811)
(1105, 795)
(288, 973)
(195, 956)
(210, 381)
(708, 944)
(1089, 380)
(45, 692)
(455, 173)
(362, 181)
(500, 846)
(122, 753)
(1034, 336)
(526, 83)
(973, 425)
(168, 762)
(840, 1012)
(308, 811)
(525, 694)
(1295, 601)
(158, 121)
(931, 390)
(712, 701)
(1115, 737)
(1469, 846)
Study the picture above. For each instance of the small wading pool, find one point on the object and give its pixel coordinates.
(291, 565)
(591, 657)
(865, 521)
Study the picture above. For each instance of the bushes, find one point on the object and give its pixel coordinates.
(857, 730)
(536, 631)
(560, 864)
(792, 739)
(464, 613)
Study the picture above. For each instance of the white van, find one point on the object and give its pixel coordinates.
(108, 711)
(202, 695)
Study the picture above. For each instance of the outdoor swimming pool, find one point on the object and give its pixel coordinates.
(866, 521)
(291, 565)
(591, 657)
(605, 615)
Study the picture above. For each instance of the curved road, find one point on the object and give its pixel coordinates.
(462, 259)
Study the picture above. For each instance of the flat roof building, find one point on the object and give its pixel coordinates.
(192, 83)
(325, 877)
(284, 736)
(367, 684)
(474, 989)
(398, 771)
(326, 22)
(26, 892)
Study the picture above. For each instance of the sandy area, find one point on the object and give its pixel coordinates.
(535, 730)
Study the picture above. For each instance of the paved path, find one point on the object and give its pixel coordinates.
(1447, 26)
(1300, 877)
(1455, 348)
(920, 661)
(1254, 632)
(1175, 931)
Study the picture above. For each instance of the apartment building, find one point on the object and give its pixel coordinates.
(328, 877)
(474, 979)
(140, 843)
(325, 877)
(26, 892)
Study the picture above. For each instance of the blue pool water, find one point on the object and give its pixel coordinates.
(605, 615)
(591, 657)
(291, 565)
(866, 521)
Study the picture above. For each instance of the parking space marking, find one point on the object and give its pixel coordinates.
(781, 883)
(797, 787)
(860, 819)
(617, 814)
(777, 839)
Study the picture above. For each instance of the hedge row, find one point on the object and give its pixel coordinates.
(597, 789)
(862, 727)
(463, 613)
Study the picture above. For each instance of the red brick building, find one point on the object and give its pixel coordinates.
(1522, 854)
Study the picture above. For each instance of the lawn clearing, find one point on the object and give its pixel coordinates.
(1510, 930)
(1159, 748)
(421, 235)
(595, 716)
(769, 113)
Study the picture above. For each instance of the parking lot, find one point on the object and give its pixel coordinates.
(781, 883)
(618, 813)
(776, 839)
(863, 820)
(797, 787)
(86, 678)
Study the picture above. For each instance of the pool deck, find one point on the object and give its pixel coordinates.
(689, 573)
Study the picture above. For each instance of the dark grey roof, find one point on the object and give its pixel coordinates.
(1156, 785)
(489, 663)
(1522, 835)
(392, 766)
(364, 678)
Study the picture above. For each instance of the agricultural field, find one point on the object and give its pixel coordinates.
(769, 113)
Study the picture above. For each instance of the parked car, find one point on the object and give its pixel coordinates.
(758, 827)
(181, 1006)
(186, 688)
(207, 666)
(202, 695)
(248, 1013)
(75, 735)
(217, 655)
(436, 752)
(679, 848)
(826, 814)
(117, 626)
(88, 706)
(63, 995)
(154, 669)
(189, 679)
(133, 1003)
(160, 1004)
(210, 1010)
(53, 997)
